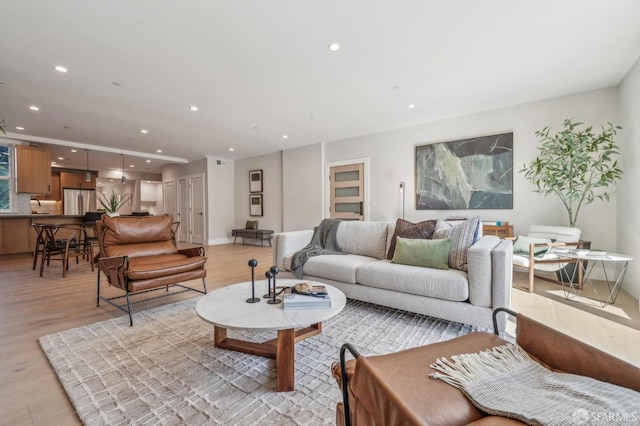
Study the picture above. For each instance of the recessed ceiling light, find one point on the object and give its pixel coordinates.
(148, 161)
(60, 68)
(193, 108)
(74, 150)
(34, 108)
(60, 158)
(110, 180)
(411, 106)
(145, 131)
(232, 149)
(19, 128)
(159, 151)
(285, 136)
(334, 47)
(131, 165)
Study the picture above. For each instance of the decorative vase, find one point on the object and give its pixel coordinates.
(112, 214)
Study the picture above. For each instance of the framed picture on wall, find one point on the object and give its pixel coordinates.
(255, 205)
(255, 181)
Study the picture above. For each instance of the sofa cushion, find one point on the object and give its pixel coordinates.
(462, 237)
(522, 243)
(427, 253)
(337, 268)
(363, 238)
(406, 229)
(449, 285)
(141, 249)
(148, 267)
(132, 230)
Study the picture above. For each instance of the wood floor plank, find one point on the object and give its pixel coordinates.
(32, 307)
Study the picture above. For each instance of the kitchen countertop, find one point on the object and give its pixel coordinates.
(42, 215)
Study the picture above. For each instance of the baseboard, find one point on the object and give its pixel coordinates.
(218, 241)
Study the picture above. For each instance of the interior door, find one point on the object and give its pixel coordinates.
(197, 195)
(169, 197)
(347, 192)
(183, 210)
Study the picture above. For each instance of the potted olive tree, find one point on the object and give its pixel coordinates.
(577, 166)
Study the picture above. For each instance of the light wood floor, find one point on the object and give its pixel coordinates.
(32, 307)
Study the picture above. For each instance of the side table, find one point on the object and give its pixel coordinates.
(605, 261)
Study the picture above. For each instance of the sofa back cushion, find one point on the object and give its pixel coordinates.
(363, 238)
(136, 236)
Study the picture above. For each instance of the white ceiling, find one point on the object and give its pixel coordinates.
(260, 69)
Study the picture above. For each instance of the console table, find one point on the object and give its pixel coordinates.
(254, 234)
(503, 231)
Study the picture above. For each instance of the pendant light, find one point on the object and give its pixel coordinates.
(87, 175)
(124, 179)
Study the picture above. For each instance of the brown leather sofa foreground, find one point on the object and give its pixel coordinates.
(396, 389)
(139, 254)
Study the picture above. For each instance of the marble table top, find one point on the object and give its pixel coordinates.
(227, 307)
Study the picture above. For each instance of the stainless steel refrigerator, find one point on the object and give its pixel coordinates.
(79, 201)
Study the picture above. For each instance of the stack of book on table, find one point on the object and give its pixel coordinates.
(315, 297)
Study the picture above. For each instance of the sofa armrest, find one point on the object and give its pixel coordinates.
(490, 272)
(192, 251)
(114, 269)
(287, 243)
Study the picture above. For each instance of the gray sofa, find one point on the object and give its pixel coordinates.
(365, 273)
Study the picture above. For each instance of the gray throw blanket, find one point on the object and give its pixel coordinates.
(504, 381)
(324, 241)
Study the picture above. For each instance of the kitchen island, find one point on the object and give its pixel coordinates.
(17, 236)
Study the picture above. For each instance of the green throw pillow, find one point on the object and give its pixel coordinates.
(521, 246)
(419, 252)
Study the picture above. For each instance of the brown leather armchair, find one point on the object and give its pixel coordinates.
(139, 254)
(396, 389)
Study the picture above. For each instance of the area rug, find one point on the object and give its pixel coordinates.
(166, 370)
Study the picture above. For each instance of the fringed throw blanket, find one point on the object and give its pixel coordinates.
(505, 381)
(324, 241)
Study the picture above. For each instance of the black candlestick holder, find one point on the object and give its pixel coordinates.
(273, 301)
(253, 299)
(268, 275)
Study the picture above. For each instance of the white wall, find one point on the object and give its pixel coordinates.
(628, 212)
(220, 190)
(302, 187)
(392, 156)
(271, 166)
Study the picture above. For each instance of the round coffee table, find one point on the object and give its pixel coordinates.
(226, 308)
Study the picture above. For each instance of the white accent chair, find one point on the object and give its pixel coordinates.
(548, 261)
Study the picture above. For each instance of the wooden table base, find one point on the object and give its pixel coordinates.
(281, 349)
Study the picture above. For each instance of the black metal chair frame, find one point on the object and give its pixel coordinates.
(355, 354)
(61, 247)
(126, 307)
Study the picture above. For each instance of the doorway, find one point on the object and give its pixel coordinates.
(347, 191)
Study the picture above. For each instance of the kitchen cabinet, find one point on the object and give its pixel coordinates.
(76, 180)
(56, 192)
(33, 170)
(16, 236)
